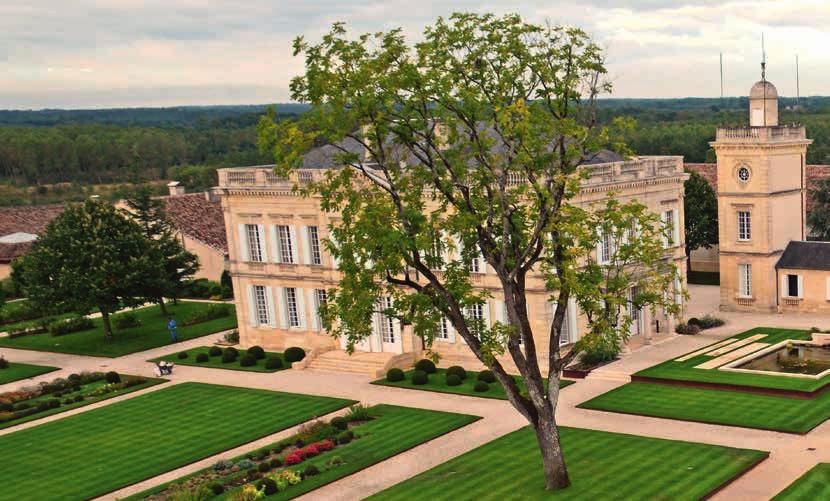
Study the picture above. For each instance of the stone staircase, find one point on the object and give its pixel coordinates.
(603, 374)
(370, 364)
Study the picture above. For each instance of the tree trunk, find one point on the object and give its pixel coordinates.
(553, 460)
(162, 306)
(105, 316)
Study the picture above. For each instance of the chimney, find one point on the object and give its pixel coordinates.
(176, 188)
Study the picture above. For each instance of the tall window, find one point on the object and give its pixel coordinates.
(604, 250)
(285, 244)
(386, 322)
(476, 314)
(443, 332)
(254, 242)
(314, 245)
(320, 298)
(291, 310)
(261, 300)
(668, 221)
(745, 278)
(792, 286)
(565, 332)
(744, 225)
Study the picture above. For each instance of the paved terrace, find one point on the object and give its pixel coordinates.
(791, 455)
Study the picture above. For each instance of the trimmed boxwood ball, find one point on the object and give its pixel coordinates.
(310, 471)
(247, 361)
(458, 371)
(425, 365)
(182, 355)
(215, 351)
(453, 380)
(294, 354)
(231, 349)
(481, 387)
(228, 357)
(272, 363)
(268, 486)
(112, 377)
(486, 376)
(394, 375)
(339, 423)
(217, 488)
(419, 377)
(202, 358)
(257, 352)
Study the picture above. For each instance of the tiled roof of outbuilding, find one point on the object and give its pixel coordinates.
(198, 218)
(800, 255)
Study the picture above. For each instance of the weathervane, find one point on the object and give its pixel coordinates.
(763, 60)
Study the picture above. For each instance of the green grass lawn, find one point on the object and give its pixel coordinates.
(95, 452)
(813, 485)
(734, 408)
(87, 401)
(704, 277)
(151, 334)
(394, 430)
(437, 383)
(602, 465)
(16, 371)
(685, 371)
(216, 362)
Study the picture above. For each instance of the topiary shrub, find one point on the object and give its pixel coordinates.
(264, 467)
(126, 320)
(273, 363)
(247, 361)
(112, 377)
(693, 321)
(294, 354)
(4, 364)
(217, 488)
(481, 387)
(202, 358)
(453, 380)
(394, 375)
(687, 329)
(215, 351)
(182, 355)
(310, 471)
(458, 371)
(339, 423)
(257, 352)
(425, 365)
(345, 437)
(268, 486)
(231, 349)
(228, 357)
(486, 376)
(419, 377)
(710, 321)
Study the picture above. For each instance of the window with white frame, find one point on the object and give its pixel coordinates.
(320, 298)
(476, 314)
(565, 331)
(745, 279)
(744, 225)
(443, 332)
(292, 312)
(386, 323)
(604, 249)
(793, 285)
(668, 221)
(314, 245)
(261, 305)
(285, 244)
(254, 242)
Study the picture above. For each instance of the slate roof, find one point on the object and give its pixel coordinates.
(800, 255)
(31, 219)
(198, 218)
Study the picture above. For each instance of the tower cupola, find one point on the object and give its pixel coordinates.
(763, 104)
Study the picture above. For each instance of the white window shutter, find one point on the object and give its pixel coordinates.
(283, 309)
(676, 227)
(501, 312)
(314, 309)
(252, 317)
(272, 317)
(306, 244)
(828, 288)
(573, 326)
(335, 263)
(294, 243)
(450, 331)
(260, 228)
(486, 311)
(300, 293)
(800, 286)
(244, 253)
(785, 290)
(275, 242)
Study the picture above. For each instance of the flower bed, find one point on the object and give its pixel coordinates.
(61, 394)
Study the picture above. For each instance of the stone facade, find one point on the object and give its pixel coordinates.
(280, 267)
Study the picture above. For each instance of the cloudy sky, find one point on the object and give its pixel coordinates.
(105, 53)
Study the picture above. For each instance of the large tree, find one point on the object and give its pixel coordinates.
(89, 256)
(818, 219)
(471, 145)
(174, 263)
(700, 205)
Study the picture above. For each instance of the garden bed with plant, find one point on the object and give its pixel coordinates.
(14, 371)
(254, 359)
(135, 330)
(62, 394)
(601, 465)
(456, 380)
(320, 453)
(91, 453)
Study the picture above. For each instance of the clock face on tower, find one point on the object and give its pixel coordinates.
(743, 174)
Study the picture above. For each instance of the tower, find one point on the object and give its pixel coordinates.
(760, 200)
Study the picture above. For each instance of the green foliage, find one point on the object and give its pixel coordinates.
(257, 352)
(212, 312)
(487, 376)
(453, 379)
(112, 377)
(419, 377)
(339, 423)
(215, 351)
(202, 358)
(126, 320)
(344, 437)
(481, 387)
(458, 371)
(358, 412)
(294, 354)
(598, 350)
(273, 363)
(425, 365)
(74, 324)
(247, 361)
(818, 220)
(700, 206)
(394, 374)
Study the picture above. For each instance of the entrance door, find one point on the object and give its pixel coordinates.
(388, 329)
(636, 313)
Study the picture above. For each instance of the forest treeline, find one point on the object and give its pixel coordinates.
(87, 147)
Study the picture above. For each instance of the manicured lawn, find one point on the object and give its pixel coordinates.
(704, 277)
(437, 383)
(151, 334)
(601, 465)
(215, 362)
(813, 485)
(685, 371)
(734, 408)
(17, 371)
(95, 452)
(393, 430)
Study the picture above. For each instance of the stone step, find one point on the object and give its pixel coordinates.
(609, 376)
